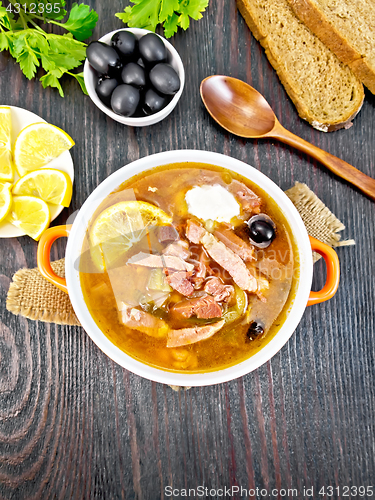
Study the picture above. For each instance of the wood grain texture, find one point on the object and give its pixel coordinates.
(74, 425)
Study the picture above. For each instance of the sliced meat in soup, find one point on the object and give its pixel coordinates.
(204, 307)
(187, 336)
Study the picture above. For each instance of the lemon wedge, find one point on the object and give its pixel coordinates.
(38, 144)
(52, 186)
(6, 161)
(30, 214)
(5, 199)
(119, 227)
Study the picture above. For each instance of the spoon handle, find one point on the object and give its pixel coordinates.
(339, 167)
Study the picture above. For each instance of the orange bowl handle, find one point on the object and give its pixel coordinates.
(44, 250)
(333, 272)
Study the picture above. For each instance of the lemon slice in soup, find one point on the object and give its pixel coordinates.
(119, 227)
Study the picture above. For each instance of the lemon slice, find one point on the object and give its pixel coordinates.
(38, 144)
(119, 227)
(52, 186)
(30, 214)
(5, 199)
(6, 161)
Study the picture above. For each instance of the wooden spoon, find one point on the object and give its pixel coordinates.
(243, 111)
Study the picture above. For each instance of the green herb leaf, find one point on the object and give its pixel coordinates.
(184, 21)
(171, 25)
(3, 11)
(4, 41)
(63, 61)
(51, 79)
(57, 12)
(19, 42)
(144, 14)
(57, 54)
(6, 18)
(126, 15)
(193, 8)
(167, 10)
(81, 21)
(37, 41)
(47, 63)
(28, 63)
(81, 81)
(171, 13)
(66, 44)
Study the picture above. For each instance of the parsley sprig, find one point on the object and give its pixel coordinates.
(170, 13)
(32, 47)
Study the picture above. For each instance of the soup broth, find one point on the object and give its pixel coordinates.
(189, 267)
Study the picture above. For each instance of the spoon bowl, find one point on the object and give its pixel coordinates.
(243, 111)
(237, 107)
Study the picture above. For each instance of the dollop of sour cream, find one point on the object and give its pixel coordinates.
(212, 203)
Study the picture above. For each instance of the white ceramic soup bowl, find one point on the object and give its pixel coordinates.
(303, 294)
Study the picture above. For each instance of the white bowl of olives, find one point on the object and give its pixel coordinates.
(134, 76)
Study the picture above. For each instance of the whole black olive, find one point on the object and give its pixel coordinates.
(164, 78)
(153, 102)
(133, 74)
(103, 58)
(255, 330)
(261, 231)
(152, 49)
(141, 63)
(125, 99)
(104, 89)
(125, 43)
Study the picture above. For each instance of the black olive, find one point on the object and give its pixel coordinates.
(261, 231)
(125, 43)
(152, 49)
(164, 78)
(255, 330)
(125, 99)
(141, 63)
(103, 58)
(104, 89)
(153, 102)
(133, 74)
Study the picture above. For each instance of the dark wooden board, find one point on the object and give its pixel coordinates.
(75, 425)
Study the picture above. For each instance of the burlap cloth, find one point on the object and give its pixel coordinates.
(32, 296)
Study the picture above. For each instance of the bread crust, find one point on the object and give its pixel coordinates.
(323, 28)
(250, 16)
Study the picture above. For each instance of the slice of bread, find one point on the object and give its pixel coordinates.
(325, 91)
(347, 27)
